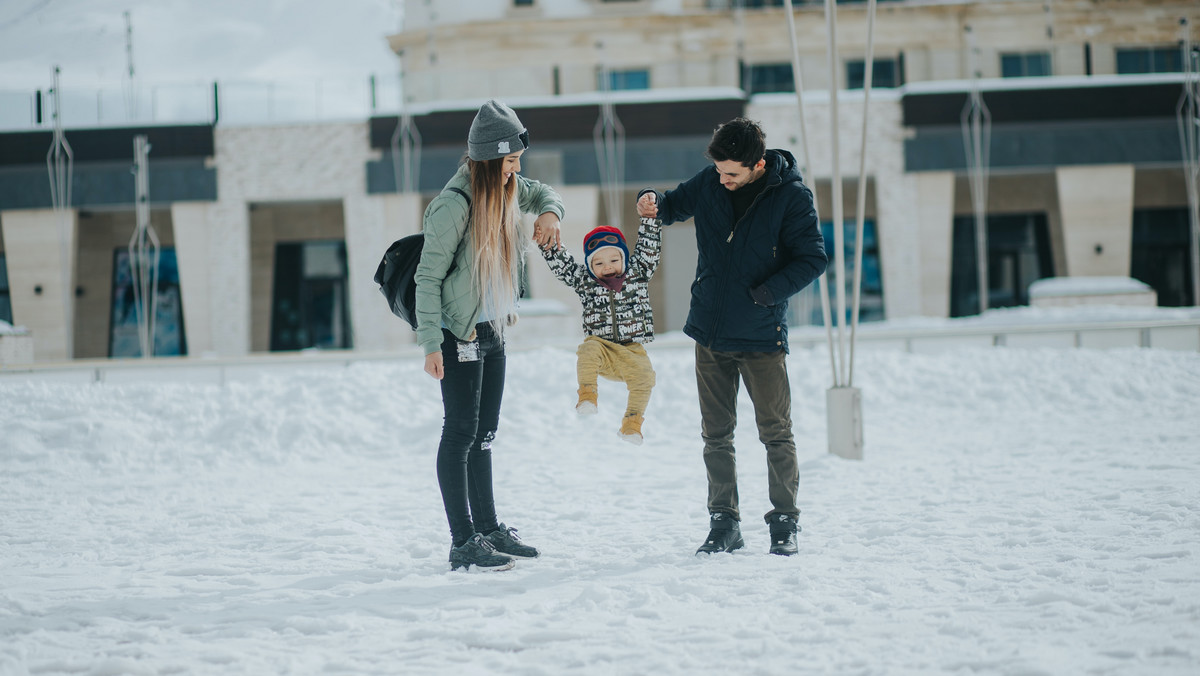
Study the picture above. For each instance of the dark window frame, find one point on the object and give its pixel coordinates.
(1026, 64)
(1007, 249)
(619, 79)
(886, 73)
(768, 78)
(1152, 59)
(120, 293)
(296, 296)
(1160, 254)
(871, 300)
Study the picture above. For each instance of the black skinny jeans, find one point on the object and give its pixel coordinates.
(472, 387)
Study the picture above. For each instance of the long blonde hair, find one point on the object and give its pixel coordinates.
(495, 227)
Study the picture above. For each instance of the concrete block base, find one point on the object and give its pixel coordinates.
(843, 409)
(16, 349)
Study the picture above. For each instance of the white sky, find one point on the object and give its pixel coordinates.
(194, 41)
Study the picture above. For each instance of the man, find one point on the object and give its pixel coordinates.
(759, 243)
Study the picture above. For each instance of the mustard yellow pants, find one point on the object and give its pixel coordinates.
(624, 363)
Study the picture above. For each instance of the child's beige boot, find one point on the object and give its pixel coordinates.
(631, 429)
(587, 400)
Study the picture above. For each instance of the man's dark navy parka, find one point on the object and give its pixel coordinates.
(774, 251)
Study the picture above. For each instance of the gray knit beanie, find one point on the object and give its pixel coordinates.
(495, 132)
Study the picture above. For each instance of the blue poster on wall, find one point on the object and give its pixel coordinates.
(168, 317)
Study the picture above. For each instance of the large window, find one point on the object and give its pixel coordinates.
(310, 307)
(1028, 64)
(1018, 251)
(638, 78)
(885, 73)
(806, 307)
(1131, 60)
(765, 78)
(1162, 254)
(5, 296)
(169, 339)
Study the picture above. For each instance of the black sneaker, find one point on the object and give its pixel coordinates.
(724, 534)
(505, 540)
(783, 534)
(480, 553)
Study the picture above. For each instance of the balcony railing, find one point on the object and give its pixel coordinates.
(230, 102)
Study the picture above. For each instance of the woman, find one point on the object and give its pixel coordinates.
(467, 289)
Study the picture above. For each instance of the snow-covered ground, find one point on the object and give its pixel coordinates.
(1018, 512)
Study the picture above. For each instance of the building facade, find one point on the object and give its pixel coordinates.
(270, 234)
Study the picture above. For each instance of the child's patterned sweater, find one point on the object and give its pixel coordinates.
(621, 316)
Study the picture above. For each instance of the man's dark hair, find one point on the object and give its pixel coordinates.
(740, 140)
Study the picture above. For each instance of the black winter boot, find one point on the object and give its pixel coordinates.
(783, 534)
(724, 534)
(505, 540)
(480, 553)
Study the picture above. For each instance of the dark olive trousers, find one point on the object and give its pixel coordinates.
(718, 376)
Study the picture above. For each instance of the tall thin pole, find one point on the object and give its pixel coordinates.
(977, 140)
(131, 102)
(60, 164)
(143, 250)
(806, 173)
(609, 138)
(839, 235)
(406, 144)
(861, 203)
(1187, 115)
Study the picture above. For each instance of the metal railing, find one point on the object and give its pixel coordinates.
(233, 102)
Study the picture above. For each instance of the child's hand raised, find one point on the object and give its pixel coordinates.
(647, 205)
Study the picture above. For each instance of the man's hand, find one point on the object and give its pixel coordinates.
(433, 365)
(647, 205)
(547, 230)
(762, 296)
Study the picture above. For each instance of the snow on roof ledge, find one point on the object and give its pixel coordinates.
(1051, 82)
(1085, 286)
(663, 95)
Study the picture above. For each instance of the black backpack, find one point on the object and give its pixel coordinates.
(397, 269)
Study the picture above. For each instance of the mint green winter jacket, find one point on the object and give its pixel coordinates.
(454, 300)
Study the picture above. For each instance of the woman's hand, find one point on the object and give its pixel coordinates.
(647, 205)
(547, 230)
(433, 365)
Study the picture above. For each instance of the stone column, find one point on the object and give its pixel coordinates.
(229, 267)
(34, 252)
(190, 220)
(934, 208)
(915, 225)
(372, 223)
(212, 247)
(1096, 206)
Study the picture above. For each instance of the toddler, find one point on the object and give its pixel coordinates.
(614, 289)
